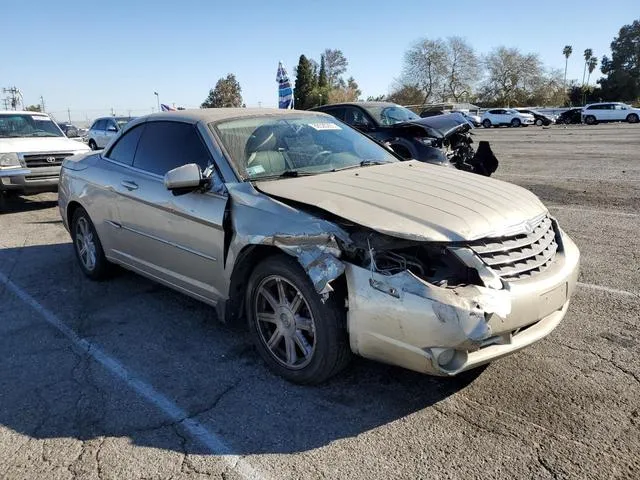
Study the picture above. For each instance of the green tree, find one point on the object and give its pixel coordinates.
(227, 93)
(588, 53)
(305, 93)
(404, 94)
(376, 98)
(591, 66)
(350, 92)
(622, 70)
(335, 64)
(566, 51)
(322, 89)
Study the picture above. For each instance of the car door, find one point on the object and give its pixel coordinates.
(619, 112)
(178, 240)
(97, 131)
(606, 112)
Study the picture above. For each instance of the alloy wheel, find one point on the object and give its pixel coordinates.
(284, 322)
(85, 244)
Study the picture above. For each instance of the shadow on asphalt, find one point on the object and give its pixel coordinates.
(174, 344)
(15, 204)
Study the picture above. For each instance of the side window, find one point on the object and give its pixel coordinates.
(167, 145)
(111, 125)
(125, 148)
(354, 116)
(98, 125)
(336, 112)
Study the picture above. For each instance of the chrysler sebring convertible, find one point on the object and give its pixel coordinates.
(321, 240)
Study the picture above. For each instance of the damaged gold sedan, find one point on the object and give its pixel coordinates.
(322, 240)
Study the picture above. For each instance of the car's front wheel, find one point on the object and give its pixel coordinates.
(515, 122)
(301, 337)
(486, 123)
(590, 120)
(87, 246)
(632, 118)
(93, 145)
(539, 122)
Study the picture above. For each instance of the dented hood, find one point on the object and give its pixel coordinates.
(415, 200)
(440, 126)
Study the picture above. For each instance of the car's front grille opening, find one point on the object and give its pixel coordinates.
(520, 256)
(45, 159)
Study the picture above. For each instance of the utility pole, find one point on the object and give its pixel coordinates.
(69, 114)
(112, 112)
(12, 98)
(42, 100)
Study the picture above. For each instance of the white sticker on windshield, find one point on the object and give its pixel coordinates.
(40, 118)
(255, 170)
(325, 126)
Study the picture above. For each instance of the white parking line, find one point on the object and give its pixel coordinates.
(594, 210)
(199, 432)
(608, 289)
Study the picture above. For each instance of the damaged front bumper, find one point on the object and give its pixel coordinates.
(406, 321)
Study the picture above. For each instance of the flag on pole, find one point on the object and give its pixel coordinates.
(285, 92)
(166, 108)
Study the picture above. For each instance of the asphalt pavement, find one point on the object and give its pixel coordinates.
(126, 379)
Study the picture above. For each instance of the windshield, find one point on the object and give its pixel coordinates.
(273, 146)
(28, 125)
(391, 114)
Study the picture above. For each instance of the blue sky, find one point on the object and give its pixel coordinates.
(94, 56)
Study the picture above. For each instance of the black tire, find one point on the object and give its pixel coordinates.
(539, 123)
(101, 268)
(330, 350)
(516, 122)
(486, 123)
(590, 120)
(633, 118)
(93, 145)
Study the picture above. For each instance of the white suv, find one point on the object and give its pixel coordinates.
(32, 148)
(506, 116)
(610, 112)
(104, 130)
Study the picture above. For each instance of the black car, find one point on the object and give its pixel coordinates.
(573, 115)
(540, 118)
(441, 139)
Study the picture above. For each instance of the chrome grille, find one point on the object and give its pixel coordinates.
(520, 256)
(45, 159)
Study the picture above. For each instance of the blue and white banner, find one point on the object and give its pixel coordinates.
(166, 108)
(285, 92)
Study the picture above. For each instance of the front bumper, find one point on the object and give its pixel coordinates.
(405, 321)
(25, 181)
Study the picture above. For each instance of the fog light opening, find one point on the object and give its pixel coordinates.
(446, 356)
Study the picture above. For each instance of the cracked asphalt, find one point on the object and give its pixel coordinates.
(567, 407)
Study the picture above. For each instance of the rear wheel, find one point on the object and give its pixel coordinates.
(300, 337)
(632, 118)
(539, 122)
(486, 123)
(515, 122)
(93, 145)
(590, 120)
(87, 246)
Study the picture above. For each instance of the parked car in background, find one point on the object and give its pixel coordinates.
(471, 117)
(506, 116)
(440, 139)
(540, 119)
(32, 148)
(571, 116)
(104, 129)
(70, 130)
(610, 112)
(322, 240)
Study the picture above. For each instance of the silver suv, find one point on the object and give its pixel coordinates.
(104, 129)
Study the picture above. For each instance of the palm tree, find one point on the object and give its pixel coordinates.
(588, 53)
(566, 51)
(591, 65)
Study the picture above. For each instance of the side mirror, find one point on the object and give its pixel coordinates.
(112, 129)
(183, 179)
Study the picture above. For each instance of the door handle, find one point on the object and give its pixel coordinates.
(129, 185)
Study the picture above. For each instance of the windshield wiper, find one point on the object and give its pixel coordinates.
(363, 163)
